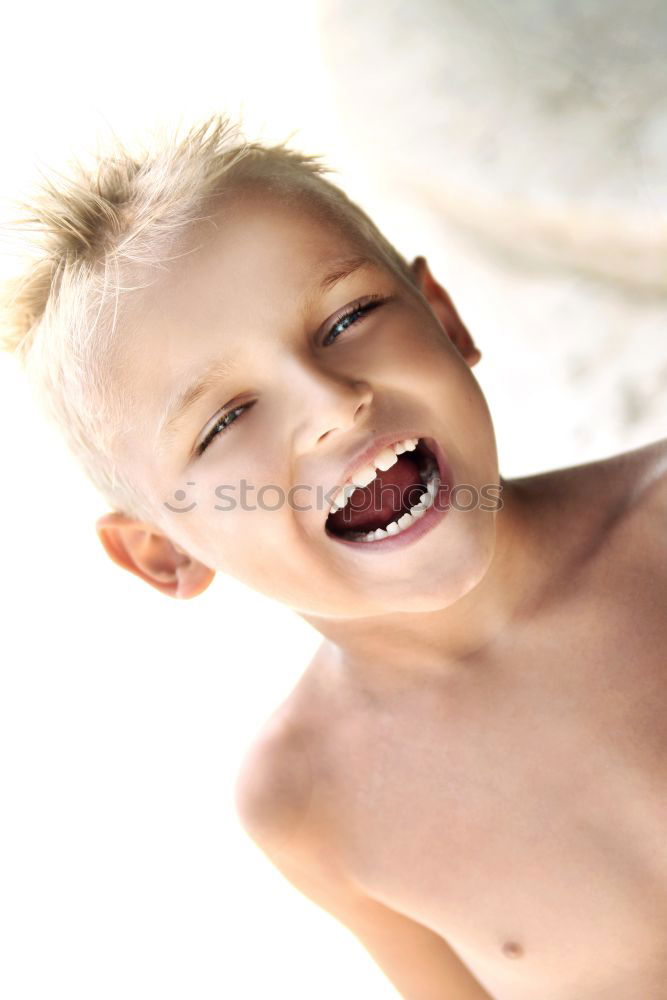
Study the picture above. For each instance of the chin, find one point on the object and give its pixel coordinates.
(456, 565)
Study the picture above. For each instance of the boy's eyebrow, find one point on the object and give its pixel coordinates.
(220, 369)
(343, 268)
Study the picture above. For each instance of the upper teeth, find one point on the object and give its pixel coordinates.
(365, 474)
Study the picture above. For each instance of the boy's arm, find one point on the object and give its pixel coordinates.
(272, 797)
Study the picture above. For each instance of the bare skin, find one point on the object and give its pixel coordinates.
(538, 767)
(470, 773)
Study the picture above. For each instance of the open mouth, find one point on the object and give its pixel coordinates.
(406, 485)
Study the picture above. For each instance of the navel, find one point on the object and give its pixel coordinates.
(512, 949)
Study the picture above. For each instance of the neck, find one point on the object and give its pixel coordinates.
(394, 647)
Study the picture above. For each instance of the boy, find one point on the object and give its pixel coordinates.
(470, 773)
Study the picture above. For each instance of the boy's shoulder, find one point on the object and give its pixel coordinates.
(627, 478)
(609, 495)
(624, 497)
(652, 483)
(273, 783)
(638, 481)
(642, 470)
(273, 787)
(609, 517)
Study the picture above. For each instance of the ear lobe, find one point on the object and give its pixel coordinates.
(144, 551)
(444, 310)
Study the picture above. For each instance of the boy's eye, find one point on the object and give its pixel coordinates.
(351, 316)
(221, 424)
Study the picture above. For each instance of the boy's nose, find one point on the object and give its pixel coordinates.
(326, 402)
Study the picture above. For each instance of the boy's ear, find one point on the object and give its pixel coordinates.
(141, 549)
(443, 307)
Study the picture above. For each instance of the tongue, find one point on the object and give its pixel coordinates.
(390, 495)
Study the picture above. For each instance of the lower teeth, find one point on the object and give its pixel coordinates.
(405, 521)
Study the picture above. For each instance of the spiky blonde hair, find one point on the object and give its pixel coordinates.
(93, 232)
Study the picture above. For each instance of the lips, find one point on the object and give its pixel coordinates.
(367, 545)
(393, 493)
(366, 454)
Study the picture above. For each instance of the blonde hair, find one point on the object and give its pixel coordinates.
(95, 231)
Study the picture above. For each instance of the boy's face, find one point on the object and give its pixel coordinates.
(250, 298)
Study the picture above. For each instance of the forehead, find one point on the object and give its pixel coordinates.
(252, 243)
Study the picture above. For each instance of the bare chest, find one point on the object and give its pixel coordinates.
(521, 811)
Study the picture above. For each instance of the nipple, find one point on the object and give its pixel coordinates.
(512, 949)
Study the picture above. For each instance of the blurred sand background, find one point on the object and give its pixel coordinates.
(522, 148)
